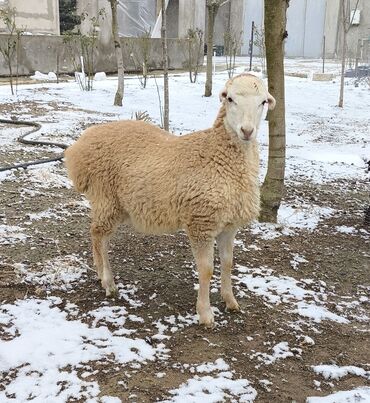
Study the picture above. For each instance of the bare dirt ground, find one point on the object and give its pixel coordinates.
(162, 271)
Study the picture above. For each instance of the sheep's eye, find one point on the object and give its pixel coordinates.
(230, 99)
(263, 103)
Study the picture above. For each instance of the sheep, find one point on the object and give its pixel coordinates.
(205, 183)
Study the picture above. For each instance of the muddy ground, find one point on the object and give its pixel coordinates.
(162, 270)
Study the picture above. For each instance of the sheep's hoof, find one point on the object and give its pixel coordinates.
(233, 306)
(207, 319)
(231, 302)
(111, 291)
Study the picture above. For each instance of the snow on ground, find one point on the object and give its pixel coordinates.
(59, 273)
(336, 372)
(283, 289)
(347, 396)
(10, 234)
(218, 386)
(41, 338)
(43, 342)
(212, 389)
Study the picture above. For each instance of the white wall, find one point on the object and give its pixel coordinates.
(305, 26)
(36, 16)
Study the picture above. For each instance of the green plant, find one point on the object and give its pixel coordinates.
(67, 15)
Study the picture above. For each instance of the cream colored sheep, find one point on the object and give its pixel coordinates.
(205, 182)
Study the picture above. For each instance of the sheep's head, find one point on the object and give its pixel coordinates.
(244, 97)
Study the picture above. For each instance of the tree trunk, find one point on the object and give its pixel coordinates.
(275, 33)
(117, 46)
(211, 12)
(344, 51)
(165, 67)
(10, 75)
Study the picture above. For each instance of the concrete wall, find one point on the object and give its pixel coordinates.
(331, 27)
(192, 14)
(253, 11)
(40, 53)
(361, 31)
(91, 8)
(334, 30)
(229, 17)
(305, 26)
(172, 14)
(35, 16)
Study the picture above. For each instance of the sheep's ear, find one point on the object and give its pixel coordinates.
(223, 94)
(271, 100)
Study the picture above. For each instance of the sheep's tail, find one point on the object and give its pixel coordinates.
(80, 178)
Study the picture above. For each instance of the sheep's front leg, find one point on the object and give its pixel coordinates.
(100, 238)
(225, 243)
(203, 254)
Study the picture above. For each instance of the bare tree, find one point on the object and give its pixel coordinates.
(232, 43)
(10, 46)
(275, 33)
(259, 41)
(82, 49)
(165, 66)
(346, 20)
(194, 52)
(212, 10)
(117, 46)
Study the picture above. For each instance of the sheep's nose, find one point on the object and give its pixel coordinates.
(247, 133)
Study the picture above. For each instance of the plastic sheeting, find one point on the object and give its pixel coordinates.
(136, 17)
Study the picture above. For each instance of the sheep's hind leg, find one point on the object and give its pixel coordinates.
(100, 235)
(225, 243)
(203, 254)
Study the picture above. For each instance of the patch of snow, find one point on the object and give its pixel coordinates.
(303, 217)
(46, 178)
(10, 234)
(274, 289)
(115, 315)
(109, 399)
(297, 259)
(269, 231)
(279, 351)
(265, 384)
(318, 313)
(305, 340)
(218, 365)
(100, 76)
(336, 372)
(211, 389)
(45, 343)
(41, 76)
(357, 395)
(59, 272)
(7, 176)
(42, 214)
(173, 324)
(285, 289)
(345, 230)
(290, 218)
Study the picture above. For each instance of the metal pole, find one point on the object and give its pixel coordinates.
(251, 47)
(323, 55)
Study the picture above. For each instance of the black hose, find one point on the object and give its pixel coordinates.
(22, 139)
